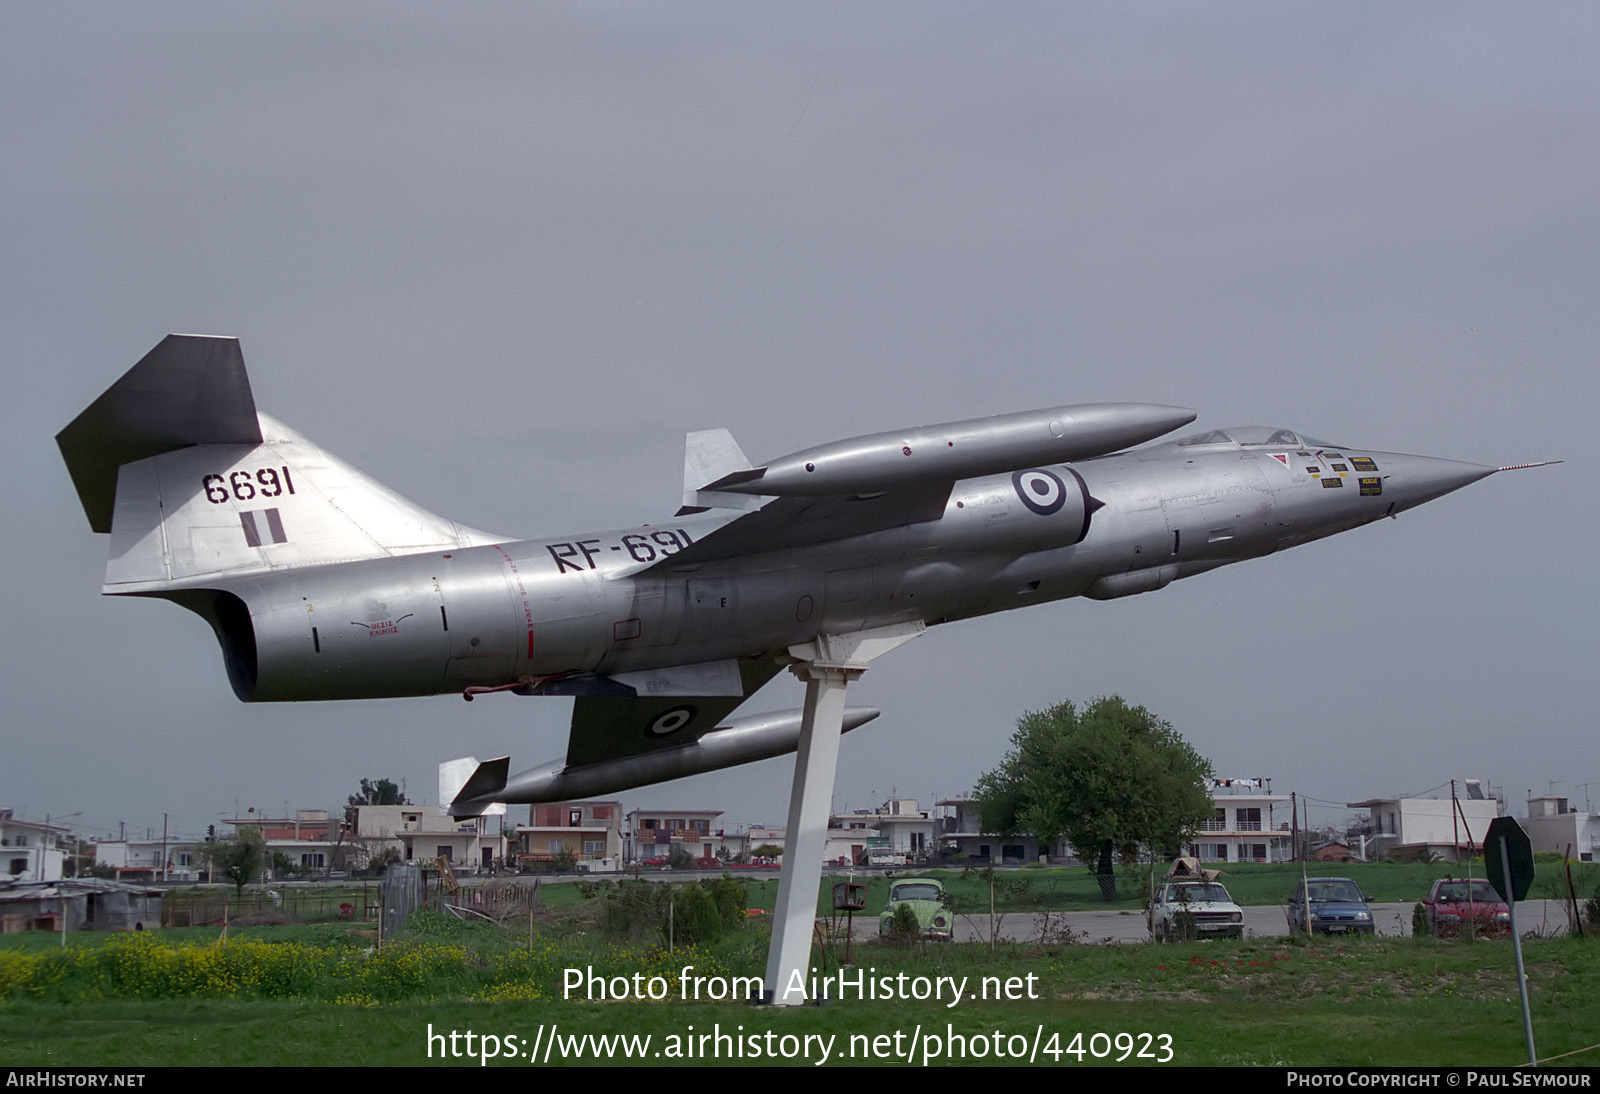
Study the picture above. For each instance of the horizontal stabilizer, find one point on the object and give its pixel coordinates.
(467, 780)
(191, 389)
(713, 454)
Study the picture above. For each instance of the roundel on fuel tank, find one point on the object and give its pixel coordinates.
(1049, 495)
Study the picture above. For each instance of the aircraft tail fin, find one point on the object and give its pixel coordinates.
(191, 389)
(467, 781)
(175, 462)
(709, 455)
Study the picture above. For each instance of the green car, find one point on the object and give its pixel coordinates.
(925, 897)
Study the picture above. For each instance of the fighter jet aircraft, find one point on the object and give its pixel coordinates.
(323, 584)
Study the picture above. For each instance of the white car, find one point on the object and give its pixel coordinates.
(1184, 910)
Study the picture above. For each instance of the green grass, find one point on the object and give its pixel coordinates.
(301, 995)
(1400, 1002)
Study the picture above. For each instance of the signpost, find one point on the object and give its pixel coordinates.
(1509, 857)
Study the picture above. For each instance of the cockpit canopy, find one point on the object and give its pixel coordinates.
(1253, 436)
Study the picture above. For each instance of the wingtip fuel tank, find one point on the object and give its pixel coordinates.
(957, 450)
(737, 741)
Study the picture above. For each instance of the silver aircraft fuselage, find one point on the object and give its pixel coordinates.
(548, 612)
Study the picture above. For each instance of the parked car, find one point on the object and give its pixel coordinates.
(1456, 905)
(925, 897)
(1336, 904)
(1183, 910)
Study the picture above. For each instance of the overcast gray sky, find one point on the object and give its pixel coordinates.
(502, 256)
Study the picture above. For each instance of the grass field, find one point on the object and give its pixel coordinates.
(320, 995)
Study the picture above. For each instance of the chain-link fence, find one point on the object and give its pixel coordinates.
(213, 907)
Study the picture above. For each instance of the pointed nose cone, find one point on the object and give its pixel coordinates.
(1409, 481)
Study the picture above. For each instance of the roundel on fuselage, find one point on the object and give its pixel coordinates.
(1049, 495)
(1041, 491)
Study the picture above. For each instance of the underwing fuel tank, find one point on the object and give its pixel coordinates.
(738, 741)
(958, 450)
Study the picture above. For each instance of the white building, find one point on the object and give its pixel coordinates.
(152, 859)
(1248, 824)
(896, 832)
(426, 833)
(1446, 828)
(30, 851)
(1554, 825)
(960, 832)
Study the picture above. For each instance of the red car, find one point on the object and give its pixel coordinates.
(1456, 905)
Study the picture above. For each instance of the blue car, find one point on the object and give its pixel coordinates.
(1336, 904)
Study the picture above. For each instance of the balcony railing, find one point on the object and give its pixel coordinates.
(1224, 826)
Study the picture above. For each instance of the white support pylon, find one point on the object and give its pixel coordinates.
(827, 665)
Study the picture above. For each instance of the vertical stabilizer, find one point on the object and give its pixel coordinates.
(192, 483)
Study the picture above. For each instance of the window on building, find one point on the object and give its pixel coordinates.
(1249, 820)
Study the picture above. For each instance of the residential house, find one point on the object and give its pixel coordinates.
(1554, 825)
(650, 834)
(151, 859)
(310, 840)
(427, 833)
(1448, 829)
(1247, 824)
(30, 851)
(896, 832)
(960, 832)
(591, 832)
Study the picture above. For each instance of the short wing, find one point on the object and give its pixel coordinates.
(616, 727)
(802, 521)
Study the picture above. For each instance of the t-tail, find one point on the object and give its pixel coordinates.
(194, 485)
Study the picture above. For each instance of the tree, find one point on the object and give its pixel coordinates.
(1109, 778)
(382, 792)
(239, 859)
